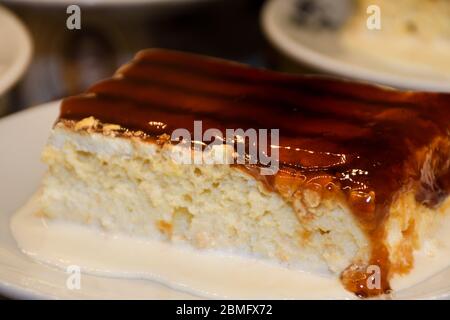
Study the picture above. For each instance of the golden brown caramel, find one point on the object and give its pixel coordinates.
(360, 139)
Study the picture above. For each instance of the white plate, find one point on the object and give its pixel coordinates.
(15, 49)
(22, 137)
(322, 50)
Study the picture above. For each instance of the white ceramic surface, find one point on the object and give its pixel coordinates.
(22, 137)
(321, 49)
(15, 49)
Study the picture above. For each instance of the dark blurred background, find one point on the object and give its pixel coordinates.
(66, 62)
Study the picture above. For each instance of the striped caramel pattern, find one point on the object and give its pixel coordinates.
(322, 121)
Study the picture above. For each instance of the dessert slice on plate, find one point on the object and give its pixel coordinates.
(358, 177)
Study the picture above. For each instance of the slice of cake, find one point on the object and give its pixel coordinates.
(414, 35)
(361, 175)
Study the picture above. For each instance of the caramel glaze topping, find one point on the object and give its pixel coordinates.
(357, 138)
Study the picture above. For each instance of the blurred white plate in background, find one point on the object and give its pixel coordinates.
(15, 49)
(322, 49)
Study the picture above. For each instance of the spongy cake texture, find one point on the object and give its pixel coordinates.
(126, 185)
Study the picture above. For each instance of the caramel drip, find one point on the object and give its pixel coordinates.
(363, 138)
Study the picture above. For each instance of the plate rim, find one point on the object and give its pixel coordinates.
(16, 290)
(7, 289)
(14, 72)
(303, 54)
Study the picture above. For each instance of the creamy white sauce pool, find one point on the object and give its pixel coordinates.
(207, 274)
